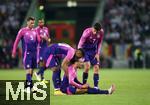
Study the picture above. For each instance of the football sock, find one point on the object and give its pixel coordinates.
(85, 77)
(96, 79)
(96, 91)
(92, 91)
(64, 84)
(103, 91)
(56, 78)
(41, 72)
(28, 77)
(28, 81)
(65, 80)
(28, 84)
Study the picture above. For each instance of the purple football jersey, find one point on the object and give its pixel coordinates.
(29, 40)
(89, 41)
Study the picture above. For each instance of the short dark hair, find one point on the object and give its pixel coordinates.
(41, 19)
(30, 18)
(75, 59)
(82, 51)
(97, 26)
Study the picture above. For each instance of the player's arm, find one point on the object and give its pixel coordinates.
(38, 37)
(38, 45)
(100, 41)
(64, 65)
(83, 38)
(48, 35)
(74, 81)
(67, 59)
(99, 45)
(77, 81)
(18, 38)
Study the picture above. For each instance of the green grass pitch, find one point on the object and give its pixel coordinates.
(132, 87)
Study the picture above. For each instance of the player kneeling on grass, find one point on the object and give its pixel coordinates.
(71, 85)
(52, 59)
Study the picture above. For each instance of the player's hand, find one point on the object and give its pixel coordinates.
(97, 57)
(49, 40)
(85, 86)
(44, 37)
(13, 55)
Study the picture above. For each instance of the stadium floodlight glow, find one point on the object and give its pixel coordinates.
(41, 7)
(71, 3)
(75, 3)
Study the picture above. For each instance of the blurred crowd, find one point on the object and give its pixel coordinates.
(127, 20)
(12, 14)
(127, 24)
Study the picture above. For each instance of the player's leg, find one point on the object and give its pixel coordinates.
(81, 91)
(44, 63)
(96, 91)
(54, 65)
(56, 77)
(87, 66)
(96, 75)
(41, 59)
(28, 78)
(41, 64)
(27, 61)
(41, 68)
(99, 91)
(96, 69)
(33, 66)
(28, 83)
(73, 90)
(40, 74)
(64, 84)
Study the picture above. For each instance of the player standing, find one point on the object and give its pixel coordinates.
(45, 40)
(91, 41)
(29, 39)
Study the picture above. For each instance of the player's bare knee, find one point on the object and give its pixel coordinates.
(54, 69)
(87, 66)
(96, 68)
(86, 70)
(29, 71)
(41, 64)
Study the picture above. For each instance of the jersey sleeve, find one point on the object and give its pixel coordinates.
(70, 54)
(18, 38)
(72, 78)
(48, 35)
(38, 36)
(83, 38)
(38, 44)
(100, 41)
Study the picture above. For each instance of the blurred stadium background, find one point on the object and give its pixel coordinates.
(126, 24)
